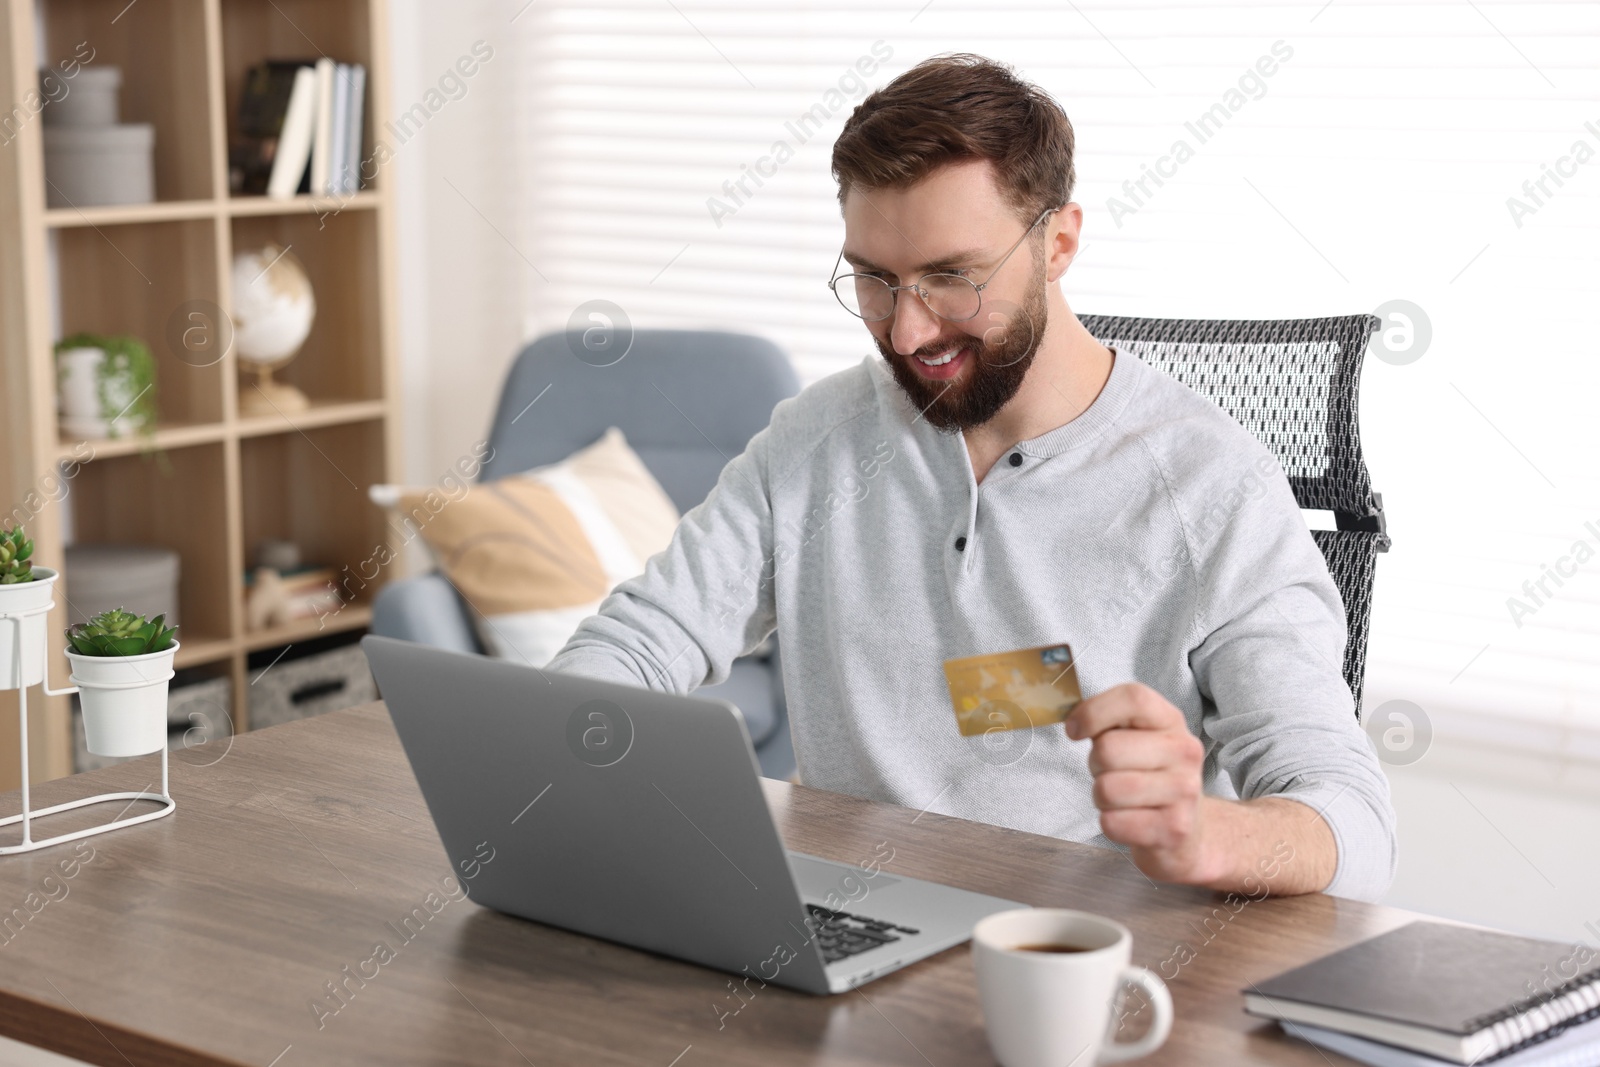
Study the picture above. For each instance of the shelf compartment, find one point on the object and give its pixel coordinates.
(342, 358)
(176, 500)
(257, 30)
(142, 279)
(160, 47)
(310, 488)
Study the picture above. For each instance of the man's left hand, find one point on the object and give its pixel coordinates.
(1147, 785)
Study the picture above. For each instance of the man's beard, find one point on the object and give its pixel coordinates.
(993, 377)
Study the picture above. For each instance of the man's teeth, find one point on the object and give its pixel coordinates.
(941, 361)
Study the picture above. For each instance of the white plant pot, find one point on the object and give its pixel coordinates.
(124, 700)
(82, 415)
(24, 597)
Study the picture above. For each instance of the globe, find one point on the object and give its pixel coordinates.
(273, 308)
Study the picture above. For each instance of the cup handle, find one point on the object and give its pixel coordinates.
(1160, 1025)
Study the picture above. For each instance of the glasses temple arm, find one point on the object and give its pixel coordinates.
(833, 275)
(980, 286)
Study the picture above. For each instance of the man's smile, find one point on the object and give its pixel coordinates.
(943, 364)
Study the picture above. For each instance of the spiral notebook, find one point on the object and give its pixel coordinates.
(1454, 992)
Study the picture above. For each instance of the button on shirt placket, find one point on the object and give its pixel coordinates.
(965, 538)
(965, 542)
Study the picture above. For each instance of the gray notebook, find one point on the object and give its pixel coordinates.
(1454, 992)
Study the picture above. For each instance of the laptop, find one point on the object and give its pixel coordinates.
(638, 817)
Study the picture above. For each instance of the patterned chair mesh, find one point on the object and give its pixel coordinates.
(1295, 384)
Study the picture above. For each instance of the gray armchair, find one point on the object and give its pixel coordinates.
(688, 401)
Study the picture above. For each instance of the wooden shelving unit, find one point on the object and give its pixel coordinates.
(209, 483)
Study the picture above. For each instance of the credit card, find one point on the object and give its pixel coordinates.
(1013, 690)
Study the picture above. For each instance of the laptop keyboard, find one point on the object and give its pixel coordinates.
(841, 935)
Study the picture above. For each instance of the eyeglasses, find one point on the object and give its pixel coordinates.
(950, 296)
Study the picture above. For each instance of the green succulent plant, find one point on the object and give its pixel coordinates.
(120, 633)
(15, 552)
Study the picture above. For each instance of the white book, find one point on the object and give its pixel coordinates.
(322, 143)
(294, 143)
(337, 150)
(358, 94)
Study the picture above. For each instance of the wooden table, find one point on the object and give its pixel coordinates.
(206, 937)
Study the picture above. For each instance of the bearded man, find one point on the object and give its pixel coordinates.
(993, 480)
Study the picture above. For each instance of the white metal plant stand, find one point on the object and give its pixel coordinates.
(28, 844)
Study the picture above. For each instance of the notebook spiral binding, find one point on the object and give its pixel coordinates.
(1528, 1022)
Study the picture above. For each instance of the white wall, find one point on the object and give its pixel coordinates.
(1506, 841)
(460, 286)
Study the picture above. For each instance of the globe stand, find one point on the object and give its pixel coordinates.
(265, 396)
(28, 815)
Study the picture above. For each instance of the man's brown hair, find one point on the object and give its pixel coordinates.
(957, 107)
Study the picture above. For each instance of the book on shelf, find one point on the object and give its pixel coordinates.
(322, 139)
(294, 144)
(263, 104)
(1455, 993)
(276, 597)
(334, 185)
(299, 129)
(350, 181)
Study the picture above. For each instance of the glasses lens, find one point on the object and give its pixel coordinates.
(951, 296)
(866, 296)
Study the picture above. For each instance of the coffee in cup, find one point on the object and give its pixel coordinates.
(1048, 979)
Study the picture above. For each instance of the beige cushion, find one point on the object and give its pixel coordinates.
(533, 554)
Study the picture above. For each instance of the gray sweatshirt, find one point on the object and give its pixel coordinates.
(1152, 533)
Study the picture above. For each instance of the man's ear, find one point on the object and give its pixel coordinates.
(1062, 240)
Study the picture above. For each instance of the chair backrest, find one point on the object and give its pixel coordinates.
(1295, 384)
(688, 401)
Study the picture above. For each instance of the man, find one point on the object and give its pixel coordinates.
(1000, 480)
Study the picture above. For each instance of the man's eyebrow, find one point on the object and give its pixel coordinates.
(966, 255)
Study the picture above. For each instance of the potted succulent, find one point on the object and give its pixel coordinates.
(23, 588)
(106, 386)
(121, 664)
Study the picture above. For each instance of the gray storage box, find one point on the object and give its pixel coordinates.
(314, 685)
(140, 578)
(205, 707)
(98, 165)
(90, 100)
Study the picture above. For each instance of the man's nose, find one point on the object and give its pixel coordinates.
(914, 323)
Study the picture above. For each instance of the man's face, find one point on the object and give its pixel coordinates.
(959, 374)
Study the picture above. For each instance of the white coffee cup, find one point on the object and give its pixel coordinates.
(1055, 1009)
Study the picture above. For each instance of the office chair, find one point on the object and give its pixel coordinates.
(1294, 383)
(688, 401)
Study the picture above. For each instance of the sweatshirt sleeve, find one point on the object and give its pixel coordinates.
(700, 603)
(1268, 657)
